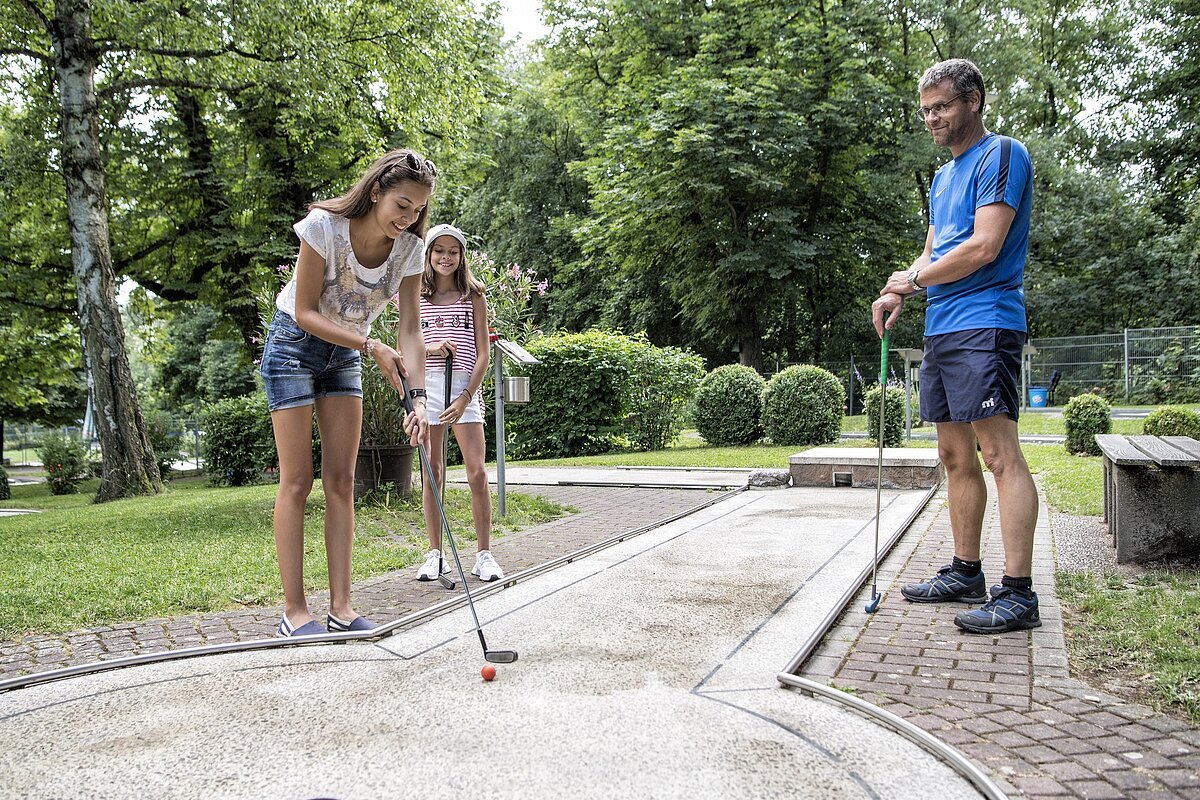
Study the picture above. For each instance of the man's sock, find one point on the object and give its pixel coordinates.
(1024, 585)
(968, 568)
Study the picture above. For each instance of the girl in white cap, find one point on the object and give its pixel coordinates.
(454, 318)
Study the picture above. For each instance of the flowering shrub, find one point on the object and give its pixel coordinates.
(66, 463)
(509, 290)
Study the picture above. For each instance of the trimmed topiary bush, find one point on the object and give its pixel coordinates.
(238, 441)
(893, 424)
(803, 405)
(728, 405)
(1172, 421)
(1086, 415)
(575, 406)
(596, 390)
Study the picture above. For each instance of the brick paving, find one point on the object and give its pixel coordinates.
(602, 512)
(1006, 701)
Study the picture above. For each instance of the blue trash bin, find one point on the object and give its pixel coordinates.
(1037, 396)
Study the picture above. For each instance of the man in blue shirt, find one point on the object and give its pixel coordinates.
(973, 272)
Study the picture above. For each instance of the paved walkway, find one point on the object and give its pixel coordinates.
(602, 513)
(647, 669)
(1007, 701)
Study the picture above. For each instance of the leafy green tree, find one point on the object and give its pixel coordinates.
(740, 179)
(41, 373)
(198, 134)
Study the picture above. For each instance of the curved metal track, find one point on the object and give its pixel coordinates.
(789, 679)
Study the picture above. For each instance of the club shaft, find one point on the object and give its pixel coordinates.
(450, 538)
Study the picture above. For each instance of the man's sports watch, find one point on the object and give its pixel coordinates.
(416, 392)
(912, 280)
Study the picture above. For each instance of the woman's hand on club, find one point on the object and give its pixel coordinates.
(443, 348)
(391, 363)
(416, 423)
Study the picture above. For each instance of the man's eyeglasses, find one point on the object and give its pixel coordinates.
(937, 109)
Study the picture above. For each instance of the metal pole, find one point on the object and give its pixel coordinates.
(498, 371)
(850, 408)
(907, 399)
(1127, 365)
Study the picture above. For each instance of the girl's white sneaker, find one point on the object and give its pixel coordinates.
(429, 570)
(486, 568)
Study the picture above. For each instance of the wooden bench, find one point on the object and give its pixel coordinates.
(1152, 496)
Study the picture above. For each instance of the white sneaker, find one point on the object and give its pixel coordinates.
(486, 567)
(429, 570)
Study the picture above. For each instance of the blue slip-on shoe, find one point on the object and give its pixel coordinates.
(336, 625)
(310, 628)
(1008, 610)
(948, 586)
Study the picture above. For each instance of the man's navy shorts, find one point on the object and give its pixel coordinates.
(971, 375)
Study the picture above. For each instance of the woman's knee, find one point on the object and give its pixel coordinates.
(295, 487)
(337, 483)
(477, 477)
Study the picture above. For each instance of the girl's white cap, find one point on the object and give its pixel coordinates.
(446, 230)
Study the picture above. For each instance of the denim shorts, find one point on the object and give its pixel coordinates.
(298, 367)
(971, 375)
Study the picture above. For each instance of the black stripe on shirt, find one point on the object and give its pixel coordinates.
(1002, 177)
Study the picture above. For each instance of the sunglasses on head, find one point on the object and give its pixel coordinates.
(415, 163)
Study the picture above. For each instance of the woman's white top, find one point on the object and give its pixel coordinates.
(352, 295)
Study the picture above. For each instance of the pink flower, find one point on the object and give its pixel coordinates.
(284, 269)
(514, 270)
(542, 287)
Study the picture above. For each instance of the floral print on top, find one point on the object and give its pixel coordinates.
(352, 296)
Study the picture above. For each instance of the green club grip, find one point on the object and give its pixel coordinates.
(883, 356)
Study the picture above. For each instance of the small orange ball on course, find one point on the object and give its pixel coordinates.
(488, 672)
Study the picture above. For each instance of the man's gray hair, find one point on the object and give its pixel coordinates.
(963, 75)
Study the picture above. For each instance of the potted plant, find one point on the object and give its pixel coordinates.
(385, 457)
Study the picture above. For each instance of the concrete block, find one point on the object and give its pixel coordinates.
(1154, 513)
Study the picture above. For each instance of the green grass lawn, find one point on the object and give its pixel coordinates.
(195, 548)
(1138, 637)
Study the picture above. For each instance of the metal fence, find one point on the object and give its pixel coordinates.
(1137, 365)
(1145, 366)
(21, 442)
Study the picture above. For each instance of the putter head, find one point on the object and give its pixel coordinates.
(448, 583)
(874, 604)
(500, 656)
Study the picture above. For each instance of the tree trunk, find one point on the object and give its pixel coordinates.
(749, 338)
(129, 464)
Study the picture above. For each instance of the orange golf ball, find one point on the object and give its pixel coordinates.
(488, 672)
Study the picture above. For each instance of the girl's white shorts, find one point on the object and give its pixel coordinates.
(435, 388)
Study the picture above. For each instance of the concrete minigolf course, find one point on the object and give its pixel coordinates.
(646, 669)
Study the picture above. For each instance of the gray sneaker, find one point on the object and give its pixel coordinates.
(948, 586)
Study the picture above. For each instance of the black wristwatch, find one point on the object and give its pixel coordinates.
(416, 392)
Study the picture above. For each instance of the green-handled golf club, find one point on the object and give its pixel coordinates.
(883, 365)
